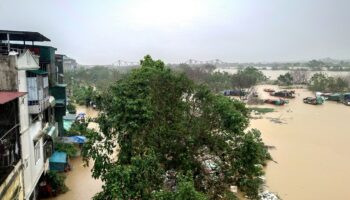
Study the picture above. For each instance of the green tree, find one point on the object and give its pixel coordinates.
(285, 79)
(160, 122)
(247, 78)
(206, 75)
(323, 83)
(318, 82)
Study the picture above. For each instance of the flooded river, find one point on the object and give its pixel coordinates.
(312, 149)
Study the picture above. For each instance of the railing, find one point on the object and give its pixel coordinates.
(5, 51)
(10, 151)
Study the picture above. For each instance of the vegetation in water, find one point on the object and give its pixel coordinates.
(247, 78)
(323, 83)
(71, 108)
(79, 128)
(262, 110)
(165, 127)
(285, 79)
(57, 181)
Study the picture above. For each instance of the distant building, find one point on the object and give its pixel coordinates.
(69, 63)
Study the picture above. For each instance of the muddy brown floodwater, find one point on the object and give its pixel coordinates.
(312, 148)
(312, 152)
(79, 180)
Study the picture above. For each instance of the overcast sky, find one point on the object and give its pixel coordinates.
(102, 32)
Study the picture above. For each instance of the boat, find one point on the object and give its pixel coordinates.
(269, 90)
(277, 102)
(334, 97)
(234, 93)
(285, 94)
(347, 103)
(346, 99)
(319, 100)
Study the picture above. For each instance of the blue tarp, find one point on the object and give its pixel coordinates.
(80, 116)
(78, 139)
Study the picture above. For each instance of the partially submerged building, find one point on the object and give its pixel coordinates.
(28, 122)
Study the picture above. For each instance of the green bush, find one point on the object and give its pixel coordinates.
(71, 108)
(56, 181)
(67, 148)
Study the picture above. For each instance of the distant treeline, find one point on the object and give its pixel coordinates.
(313, 65)
(85, 84)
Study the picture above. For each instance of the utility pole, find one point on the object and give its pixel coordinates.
(8, 42)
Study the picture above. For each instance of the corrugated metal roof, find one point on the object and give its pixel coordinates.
(9, 96)
(23, 36)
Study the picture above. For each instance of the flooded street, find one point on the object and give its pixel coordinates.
(79, 180)
(312, 147)
(80, 183)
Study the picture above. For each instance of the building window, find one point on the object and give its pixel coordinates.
(34, 117)
(36, 151)
(31, 103)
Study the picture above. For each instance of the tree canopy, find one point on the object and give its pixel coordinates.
(247, 77)
(322, 82)
(285, 79)
(175, 140)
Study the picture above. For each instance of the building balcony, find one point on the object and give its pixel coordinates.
(36, 107)
(10, 150)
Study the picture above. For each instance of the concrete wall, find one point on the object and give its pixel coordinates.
(12, 187)
(30, 130)
(8, 73)
(32, 169)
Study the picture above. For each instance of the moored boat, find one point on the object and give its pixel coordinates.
(269, 90)
(284, 94)
(347, 102)
(314, 100)
(234, 93)
(277, 102)
(334, 97)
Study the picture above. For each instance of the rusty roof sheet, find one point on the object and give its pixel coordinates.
(9, 96)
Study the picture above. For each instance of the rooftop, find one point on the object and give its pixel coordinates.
(9, 96)
(23, 36)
